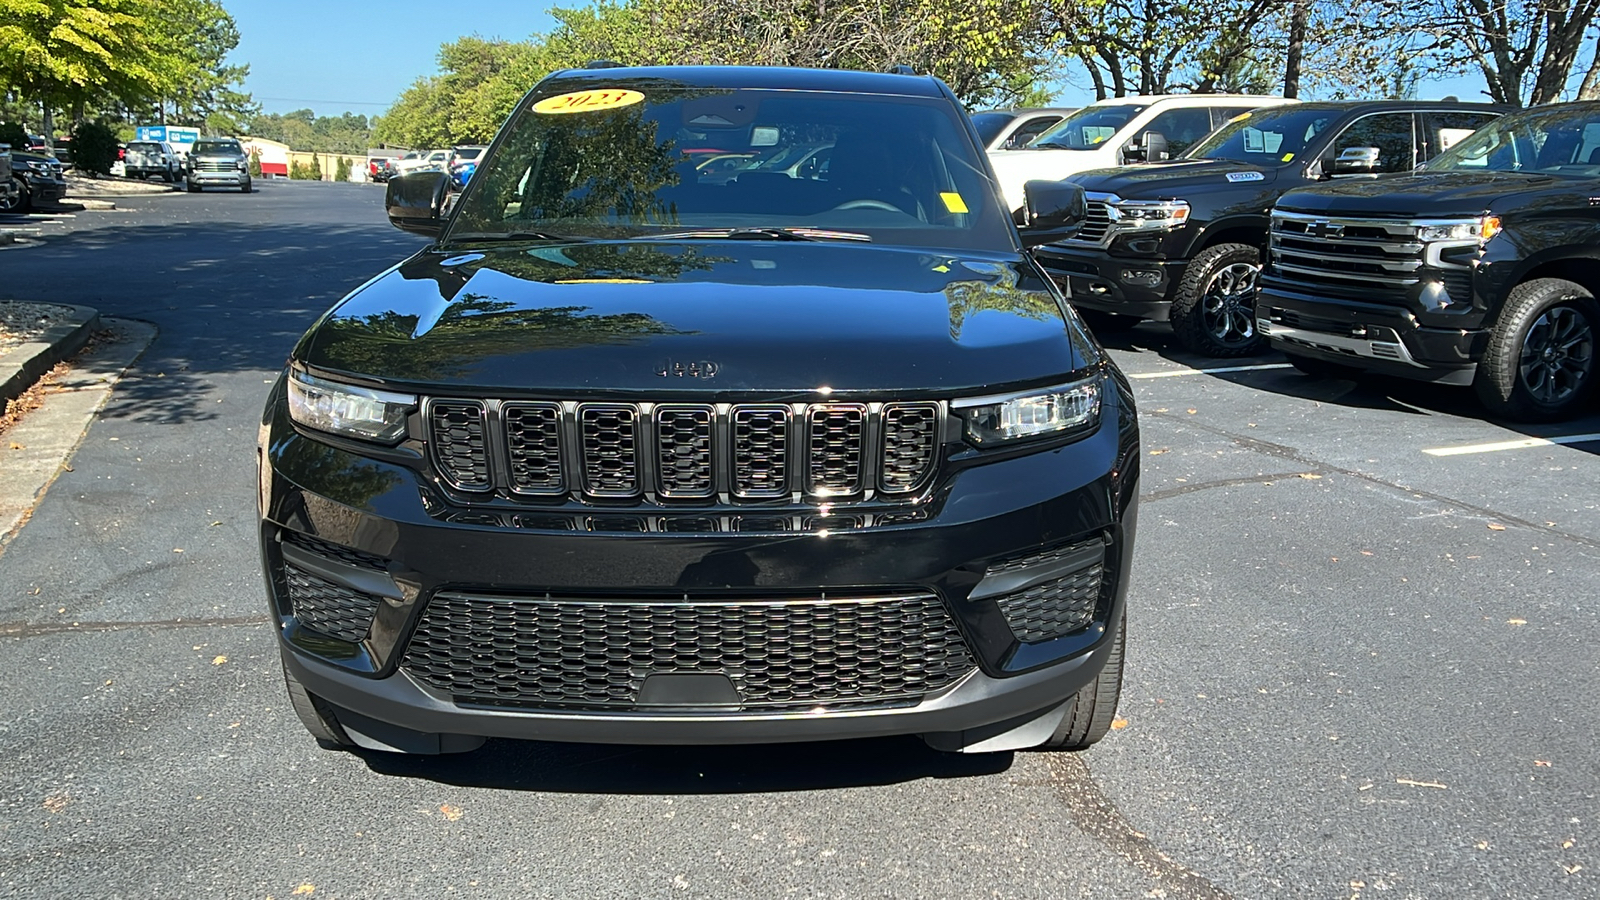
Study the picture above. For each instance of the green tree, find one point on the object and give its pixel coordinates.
(255, 163)
(199, 87)
(94, 147)
(341, 170)
(316, 167)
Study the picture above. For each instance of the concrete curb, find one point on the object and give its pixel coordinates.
(21, 367)
(77, 203)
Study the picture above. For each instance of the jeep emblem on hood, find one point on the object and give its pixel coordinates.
(697, 368)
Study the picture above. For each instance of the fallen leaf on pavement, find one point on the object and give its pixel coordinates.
(56, 802)
(1572, 869)
(305, 889)
(452, 813)
(1310, 476)
(217, 661)
(1157, 452)
(1482, 845)
(1118, 724)
(1193, 411)
(16, 446)
(1426, 784)
(1516, 621)
(1542, 762)
(1496, 526)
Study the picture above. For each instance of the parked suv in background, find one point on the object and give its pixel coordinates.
(39, 179)
(1184, 240)
(633, 455)
(1479, 269)
(145, 158)
(1013, 129)
(10, 188)
(1118, 131)
(217, 162)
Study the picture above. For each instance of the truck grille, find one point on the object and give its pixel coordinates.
(1380, 257)
(545, 652)
(216, 165)
(1096, 224)
(679, 451)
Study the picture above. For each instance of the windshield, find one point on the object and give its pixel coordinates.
(217, 147)
(630, 161)
(468, 152)
(145, 146)
(1088, 127)
(990, 124)
(1266, 137)
(1561, 140)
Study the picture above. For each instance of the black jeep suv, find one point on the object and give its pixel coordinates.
(1183, 240)
(629, 454)
(1477, 270)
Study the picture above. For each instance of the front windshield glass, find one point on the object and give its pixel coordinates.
(644, 157)
(1561, 140)
(1266, 137)
(1088, 127)
(217, 147)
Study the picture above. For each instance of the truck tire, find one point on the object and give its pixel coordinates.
(1214, 309)
(1539, 365)
(1092, 709)
(21, 202)
(316, 715)
(193, 188)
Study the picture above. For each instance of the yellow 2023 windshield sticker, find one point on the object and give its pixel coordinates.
(587, 101)
(953, 202)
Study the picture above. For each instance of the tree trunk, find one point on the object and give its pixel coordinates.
(1297, 43)
(1590, 89)
(1094, 74)
(49, 126)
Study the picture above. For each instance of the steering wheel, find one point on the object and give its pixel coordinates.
(868, 204)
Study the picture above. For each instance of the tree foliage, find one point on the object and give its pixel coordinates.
(304, 130)
(94, 147)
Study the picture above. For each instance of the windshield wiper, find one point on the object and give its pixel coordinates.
(476, 236)
(1054, 145)
(762, 234)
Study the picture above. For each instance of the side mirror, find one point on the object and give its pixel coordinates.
(1356, 161)
(1051, 211)
(1151, 147)
(416, 202)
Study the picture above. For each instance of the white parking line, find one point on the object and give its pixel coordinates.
(1176, 373)
(1521, 444)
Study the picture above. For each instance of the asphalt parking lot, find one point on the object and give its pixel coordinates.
(1362, 651)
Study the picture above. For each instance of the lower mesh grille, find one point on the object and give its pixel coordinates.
(332, 609)
(1059, 606)
(549, 652)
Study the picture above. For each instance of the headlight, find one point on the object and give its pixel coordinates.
(1150, 215)
(1054, 411)
(1465, 230)
(347, 410)
(244, 166)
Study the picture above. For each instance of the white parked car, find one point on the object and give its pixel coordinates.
(1118, 131)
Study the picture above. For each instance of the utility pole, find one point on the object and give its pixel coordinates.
(1297, 43)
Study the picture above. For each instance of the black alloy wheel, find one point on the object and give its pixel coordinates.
(1539, 365)
(19, 203)
(1214, 309)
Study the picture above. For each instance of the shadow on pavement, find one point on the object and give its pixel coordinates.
(765, 768)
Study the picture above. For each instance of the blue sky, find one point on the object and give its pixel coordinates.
(331, 60)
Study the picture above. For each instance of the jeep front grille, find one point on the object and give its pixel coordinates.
(684, 452)
(783, 654)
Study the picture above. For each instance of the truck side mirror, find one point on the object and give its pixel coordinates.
(1356, 161)
(416, 202)
(1151, 147)
(1051, 211)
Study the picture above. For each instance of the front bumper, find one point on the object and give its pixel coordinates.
(1094, 279)
(231, 179)
(1369, 336)
(45, 190)
(1078, 495)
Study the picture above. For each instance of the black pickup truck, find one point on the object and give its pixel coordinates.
(1183, 240)
(1481, 269)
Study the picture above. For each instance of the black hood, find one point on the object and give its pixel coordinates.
(1175, 180)
(1430, 194)
(770, 317)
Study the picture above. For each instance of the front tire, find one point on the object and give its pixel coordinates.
(20, 203)
(193, 188)
(316, 715)
(1214, 309)
(1091, 711)
(1539, 365)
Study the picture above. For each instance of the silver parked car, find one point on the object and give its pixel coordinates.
(146, 158)
(1013, 129)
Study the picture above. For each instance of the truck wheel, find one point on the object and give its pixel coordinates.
(316, 715)
(193, 188)
(1214, 310)
(1106, 322)
(1092, 709)
(1540, 362)
(1320, 368)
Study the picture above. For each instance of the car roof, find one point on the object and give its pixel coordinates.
(1199, 99)
(1031, 111)
(757, 77)
(1403, 105)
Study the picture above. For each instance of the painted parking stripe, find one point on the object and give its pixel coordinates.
(1176, 372)
(1522, 444)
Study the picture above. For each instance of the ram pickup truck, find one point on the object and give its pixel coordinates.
(1183, 240)
(1480, 269)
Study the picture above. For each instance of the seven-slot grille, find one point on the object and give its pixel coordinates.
(1370, 256)
(546, 651)
(681, 451)
(215, 165)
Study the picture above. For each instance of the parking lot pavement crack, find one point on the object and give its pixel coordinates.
(40, 629)
(1320, 467)
(1180, 490)
(1099, 818)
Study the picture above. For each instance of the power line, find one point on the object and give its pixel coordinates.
(311, 100)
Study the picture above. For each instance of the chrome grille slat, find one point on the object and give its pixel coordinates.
(910, 438)
(834, 448)
(684, 435)
(533, 446)
(457, 437)
(610, 436)
(1381, 255)
(760, 451)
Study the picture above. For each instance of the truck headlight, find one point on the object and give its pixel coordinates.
(1150, 215)
(1482, 229)
(348, 410)
(1052, 411)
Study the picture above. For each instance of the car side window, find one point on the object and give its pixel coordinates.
(1445, 128)
(1391, 133)
(1181, 127)
(1030, 130)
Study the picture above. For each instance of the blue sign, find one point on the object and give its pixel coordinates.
(163, 133)
(150, 133)
(182, 135)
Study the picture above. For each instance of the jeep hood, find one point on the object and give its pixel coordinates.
(712, 317)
